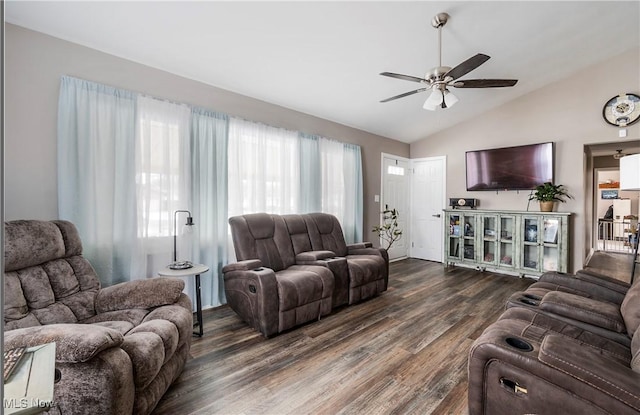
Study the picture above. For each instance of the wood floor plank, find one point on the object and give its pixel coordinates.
(403, 352)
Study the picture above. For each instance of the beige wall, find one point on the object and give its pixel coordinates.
(568, 113)
(34, 64)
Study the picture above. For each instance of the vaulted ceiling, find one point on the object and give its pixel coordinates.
(324, 58)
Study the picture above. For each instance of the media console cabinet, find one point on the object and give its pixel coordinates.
(513, 242)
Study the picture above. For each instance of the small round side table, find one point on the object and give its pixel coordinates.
(196, 270)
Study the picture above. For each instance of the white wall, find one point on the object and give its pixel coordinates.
(568, 113)
(34, 63)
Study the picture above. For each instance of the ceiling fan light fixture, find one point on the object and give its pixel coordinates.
(434, 100)
(449, 99)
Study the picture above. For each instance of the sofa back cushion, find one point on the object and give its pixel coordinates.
(262, 236)
(297, 228)
(635, 352)
(325, 233)
(46, 279)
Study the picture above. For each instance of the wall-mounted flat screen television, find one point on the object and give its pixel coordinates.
(510, 168)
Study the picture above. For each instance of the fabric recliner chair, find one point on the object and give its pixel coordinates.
(118, 348)
(266, 287)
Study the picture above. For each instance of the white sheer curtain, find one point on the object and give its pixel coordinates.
(96, 174)
(332, 178)
(353, 191)
(209, 195)
(163, 179)
(264, 169)
(341, 177)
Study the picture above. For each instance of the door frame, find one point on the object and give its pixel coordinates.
(405, 232)
(444, 195)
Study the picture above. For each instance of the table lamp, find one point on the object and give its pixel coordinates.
(188, 228)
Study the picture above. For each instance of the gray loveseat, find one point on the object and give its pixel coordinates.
(118, 348)
(294, 269)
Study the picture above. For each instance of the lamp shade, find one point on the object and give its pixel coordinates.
(449, 99)
(630, 172)
(434, 100)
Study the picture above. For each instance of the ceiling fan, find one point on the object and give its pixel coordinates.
(439, 78)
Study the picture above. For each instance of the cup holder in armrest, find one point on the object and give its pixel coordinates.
(529, 301)
(519, 344)
(258, 269)
(533, 297)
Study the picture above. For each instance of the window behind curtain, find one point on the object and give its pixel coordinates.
(264, 169)
(162, 168)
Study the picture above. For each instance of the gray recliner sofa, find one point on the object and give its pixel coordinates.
(561, 353)
(289, 273)
(119, 348)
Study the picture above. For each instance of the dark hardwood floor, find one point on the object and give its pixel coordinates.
(403, 352)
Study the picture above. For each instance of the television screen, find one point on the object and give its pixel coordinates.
(510, 168)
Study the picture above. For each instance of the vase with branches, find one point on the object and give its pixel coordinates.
(388, 231)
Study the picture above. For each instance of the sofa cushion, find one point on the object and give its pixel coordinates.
(121, 327)
(134, 316)
(31, 242)
(303, 284)
(148, 293)
(74, 342)
(36, 287)
(325, 233)
(364, 269)
(15, 304)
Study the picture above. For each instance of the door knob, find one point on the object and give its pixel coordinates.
(436, 216)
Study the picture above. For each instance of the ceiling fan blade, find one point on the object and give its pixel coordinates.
(467, 66)
(406, 94)
(404, 77)
(484, 83)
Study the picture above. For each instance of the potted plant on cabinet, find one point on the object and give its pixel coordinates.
(388, 231)
(547, 194)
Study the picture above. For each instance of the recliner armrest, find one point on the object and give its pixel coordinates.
(365, 251)
(598, 313)
(146, 294)
(360, 245)
(247, 265)
(603, 373)
(74, 342)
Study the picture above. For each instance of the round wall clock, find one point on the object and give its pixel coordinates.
(622, 110)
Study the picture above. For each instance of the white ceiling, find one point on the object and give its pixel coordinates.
(324, 58)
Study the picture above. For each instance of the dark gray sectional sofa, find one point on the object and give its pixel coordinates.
(293, 269)
(569, 344)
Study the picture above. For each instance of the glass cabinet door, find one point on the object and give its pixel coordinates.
(489, 239)
(469, 251)
(550, 245)
(507, 228)
(530, 247)
(455, 236)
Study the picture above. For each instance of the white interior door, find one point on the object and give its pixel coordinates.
(428, 183)
(395, 195)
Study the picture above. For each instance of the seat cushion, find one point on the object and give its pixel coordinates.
(303, 284)
(364, 269)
